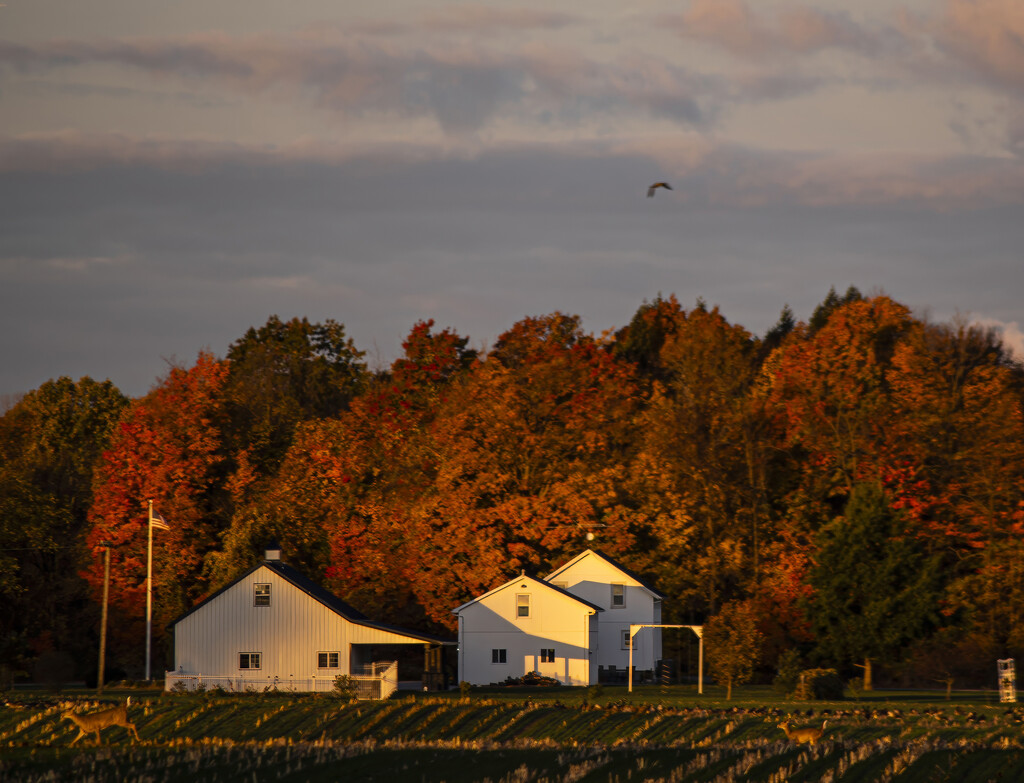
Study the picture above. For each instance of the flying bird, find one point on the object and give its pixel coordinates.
(655, 186)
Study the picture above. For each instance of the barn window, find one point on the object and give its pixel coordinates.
(618, 596)
(547, 655)
(249, 660)
(261, 596)
(498, 656)
(327, 660)
(523, 605)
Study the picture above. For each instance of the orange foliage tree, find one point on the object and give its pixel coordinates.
(703, 461)
(530, 447)
(831, 392)
(167, 448)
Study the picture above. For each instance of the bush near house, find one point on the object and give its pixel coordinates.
(819, 685)
(532, 680)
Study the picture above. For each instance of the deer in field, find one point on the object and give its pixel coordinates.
(97, 721)
(803, 735)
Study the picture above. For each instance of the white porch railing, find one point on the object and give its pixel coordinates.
(378, 681)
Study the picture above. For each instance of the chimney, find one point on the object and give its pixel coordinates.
(273, 551)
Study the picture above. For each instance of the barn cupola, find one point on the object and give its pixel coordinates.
(273, 552)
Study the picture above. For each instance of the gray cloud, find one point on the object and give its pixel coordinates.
(721, 174)
(119, 251)
(462, 19)
(462, 86)
(118, 265)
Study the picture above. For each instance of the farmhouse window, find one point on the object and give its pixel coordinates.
(626, 640)
(547, 656)
(522, 605)
(261, 595)
(327, 660)
(498, 656)
(249, 660)
(618, 596)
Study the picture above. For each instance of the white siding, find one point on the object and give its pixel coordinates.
(556, 621)
(288, 634)
(591, 577)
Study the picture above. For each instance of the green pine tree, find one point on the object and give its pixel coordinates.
(875, 588)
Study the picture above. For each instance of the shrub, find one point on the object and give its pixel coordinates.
(819, 685)
(855, 686)
(787, 672)
(465, 688)
(345, 686)
(532, 679)
(594, 691)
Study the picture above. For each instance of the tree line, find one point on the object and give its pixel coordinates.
(851, 484)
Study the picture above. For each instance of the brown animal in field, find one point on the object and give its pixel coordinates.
(803, 735)
(97, 721)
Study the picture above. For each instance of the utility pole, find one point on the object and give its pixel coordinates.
(149, 589)
(103, 615)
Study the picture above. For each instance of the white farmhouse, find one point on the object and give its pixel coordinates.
(528, 625)
(626, 600)
(273, 626)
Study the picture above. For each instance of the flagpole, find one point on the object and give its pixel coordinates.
(149, 588)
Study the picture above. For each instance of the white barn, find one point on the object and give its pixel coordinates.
(273, 626)
(625, 599)
(528, 625)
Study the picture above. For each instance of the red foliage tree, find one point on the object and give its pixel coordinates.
(167, 448)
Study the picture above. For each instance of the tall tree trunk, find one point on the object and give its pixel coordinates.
(866, 666)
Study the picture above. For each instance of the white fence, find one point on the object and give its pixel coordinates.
(378, 681)
(1007, 679)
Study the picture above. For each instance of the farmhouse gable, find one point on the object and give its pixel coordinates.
(527, 625)
(273, 626)
(626, 600)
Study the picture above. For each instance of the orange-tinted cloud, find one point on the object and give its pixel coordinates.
(732, 25)
(987, 35)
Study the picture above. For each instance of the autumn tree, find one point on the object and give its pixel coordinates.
(830, 390)
(958, 468)
(49, 442)
(450, 471)
(733, 642)
(531, 448)
(340, 501)
(641, 341)
(283, 373)
(829, 305)
(775, 336)
(168, 447)
(875, 587)
(704, 462)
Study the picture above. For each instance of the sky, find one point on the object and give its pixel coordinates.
(172, 174)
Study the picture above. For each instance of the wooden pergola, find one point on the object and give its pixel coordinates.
(697, 629)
